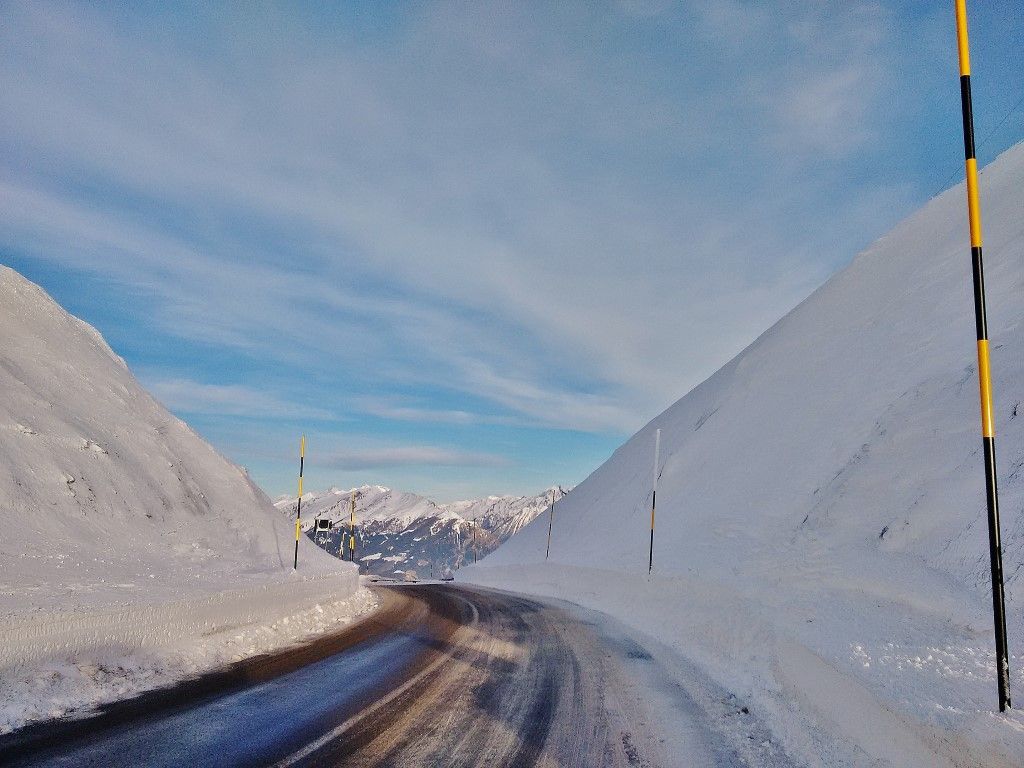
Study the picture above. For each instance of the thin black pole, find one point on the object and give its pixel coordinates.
(984, 372)
(654, 499)
(551, 520)
(298, 509)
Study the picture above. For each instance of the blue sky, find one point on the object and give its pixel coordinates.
(466, 248)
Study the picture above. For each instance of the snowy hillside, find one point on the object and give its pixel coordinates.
(99, 484)
(397, 531)
(125, 532)
(826, 487)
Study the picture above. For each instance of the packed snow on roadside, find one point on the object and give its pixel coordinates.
(821, 544)
(67, 686)
(128, 541)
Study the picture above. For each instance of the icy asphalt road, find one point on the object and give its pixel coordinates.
(440, 676)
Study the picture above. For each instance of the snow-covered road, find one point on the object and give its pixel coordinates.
(441, 675)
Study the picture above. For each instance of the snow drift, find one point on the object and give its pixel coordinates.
(123, 529)
(826, 486)
(99, 484)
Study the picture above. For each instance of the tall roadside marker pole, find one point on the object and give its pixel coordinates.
(341, 534)
(298, 509)
(352, 528)
(654, 498)
(984, 373)
(551, 520)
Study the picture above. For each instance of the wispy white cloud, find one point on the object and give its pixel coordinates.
(192, 397)
(406, 409)
(400, 456)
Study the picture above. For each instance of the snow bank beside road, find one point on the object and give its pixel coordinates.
(821, 530)
(102, 489)
(801, 665)
(133, 553)
(72, 632)
(60, 664)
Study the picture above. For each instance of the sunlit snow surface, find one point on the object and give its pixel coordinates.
(821, 532)
(68, 684)
(124, 533)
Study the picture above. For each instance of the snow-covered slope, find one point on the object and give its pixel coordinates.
(398, 532)
(132, 553)
(104, 495)
(829, 478)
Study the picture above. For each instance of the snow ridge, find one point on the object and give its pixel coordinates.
(103, 493)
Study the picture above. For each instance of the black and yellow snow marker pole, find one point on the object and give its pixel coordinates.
(551, 520)
(352, 529)
(654, 499)
(298, 509)
(984, 374)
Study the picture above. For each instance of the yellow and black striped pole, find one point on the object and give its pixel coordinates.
(654, 499)
(352, 529)
(984, 374)
(298, 509)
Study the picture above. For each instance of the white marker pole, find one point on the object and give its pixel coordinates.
(654, 497)
(551, 520)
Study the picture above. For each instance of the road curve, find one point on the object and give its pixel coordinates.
(440, 676)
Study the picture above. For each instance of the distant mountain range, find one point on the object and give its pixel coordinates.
(398, 532)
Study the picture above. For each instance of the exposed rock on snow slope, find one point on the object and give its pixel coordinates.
(399, 532)
(104, 495)
(823, 492)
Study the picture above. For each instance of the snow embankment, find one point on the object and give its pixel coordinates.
(126, 535)
(75, 633)
(821, 535)
(71, 663)
(101, 486)
(909, 697)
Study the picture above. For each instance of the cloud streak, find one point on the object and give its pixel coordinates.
(403, 456)
(191, 397)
